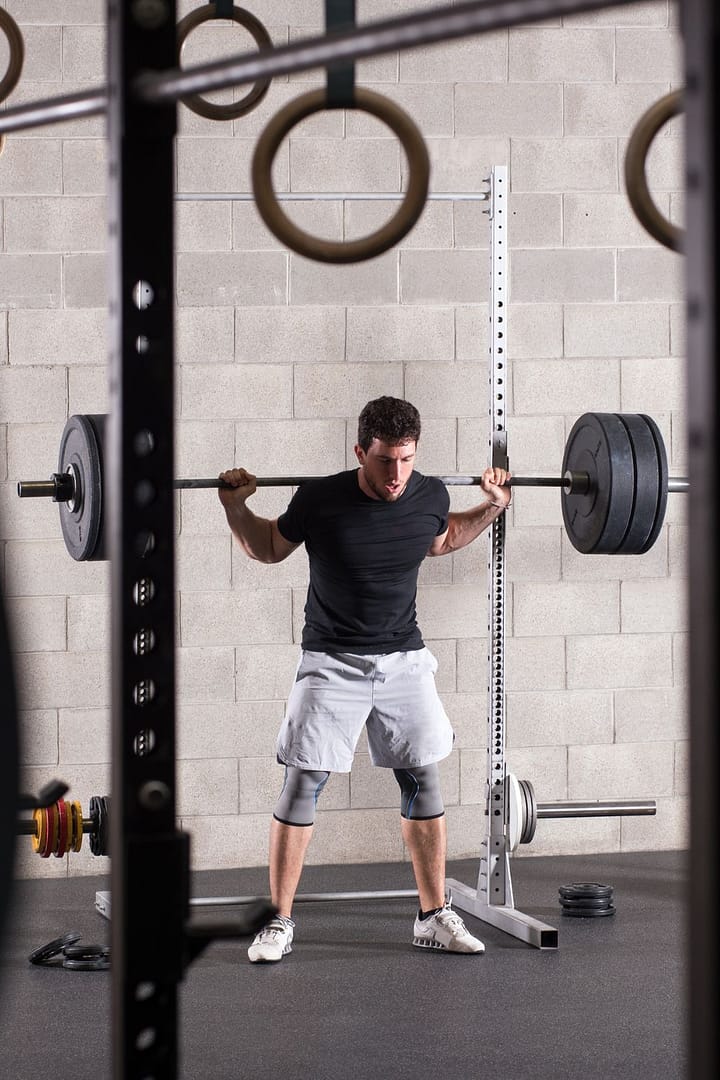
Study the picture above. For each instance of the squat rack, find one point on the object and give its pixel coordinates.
(149, 962)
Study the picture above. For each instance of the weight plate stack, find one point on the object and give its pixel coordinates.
(586, 900)
(647, 485)
(663, 479)
(597, 520)
(81, 456)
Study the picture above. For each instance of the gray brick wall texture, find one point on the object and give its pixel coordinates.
(277, 354)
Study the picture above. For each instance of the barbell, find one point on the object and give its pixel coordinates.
(614, 484)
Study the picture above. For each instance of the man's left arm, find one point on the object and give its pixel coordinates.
(466, 525)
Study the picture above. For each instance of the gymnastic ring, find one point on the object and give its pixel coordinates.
(252, 99)
(333, 251)
(3, 140)
(641, 201)
(17, 54)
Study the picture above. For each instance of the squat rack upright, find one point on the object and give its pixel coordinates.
(148, 962)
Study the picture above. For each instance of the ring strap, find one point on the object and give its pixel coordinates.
(340, 15)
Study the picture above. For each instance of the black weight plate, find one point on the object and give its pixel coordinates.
(588, 902)
(647, 485)
(101, 963)
(85, 952)
(588, 913)
(596, 522)
(580, 890)
(53, 948)
(530, 824)
(105, 825)
(81, 519)
(663, 483)
(94, 815)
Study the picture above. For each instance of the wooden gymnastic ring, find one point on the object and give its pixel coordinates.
(641, 201)
(17, 54)
(332, 251)
(252, 99)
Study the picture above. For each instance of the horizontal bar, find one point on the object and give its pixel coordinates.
(621, 808)
(451, 481)
(371, 39)
(56, 110)
(330, 196)
(308, 898)
(678, 483)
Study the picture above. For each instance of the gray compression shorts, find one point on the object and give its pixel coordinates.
(392, 695)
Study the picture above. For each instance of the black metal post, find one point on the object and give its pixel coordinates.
(149, 856)
(701, 25)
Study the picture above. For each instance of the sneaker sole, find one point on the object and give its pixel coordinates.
(422, 943)
(268, 959)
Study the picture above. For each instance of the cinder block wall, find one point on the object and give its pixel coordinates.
(277, 355)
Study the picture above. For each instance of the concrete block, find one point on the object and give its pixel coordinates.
(3, 452)
(84, 165)
(291, 573)
(641, 54)
(446, 390)
(260, 782)
(240, 619)
(65, 336)
(355, 837)
(538, 507)
(678, 454)
(616, 330)
(619, 661)
(466, 826)
(38, 737)
(578, 567)
(653, 385)
(476, 59)
(561, 56)
(604, 220)
(534, 555)
(373, 282)
(339, 390)
(205, 675)
(203, 226)
(640, 13)
(88, 390)
(627, 770)
(30, 90)
(31, 393)
(3, 334)
(84, 736)
(205, 335)
(534, 220)
(576, 386)
(31, 167)
(468, 716)
(203, 447)
(85, 281)
(444, 653)
(83, 53)
(452, 611)
(318, 218)
(203, 562)
(55, 224)
(30, 281)
(430, 106)
(606, 110)
(562, 275)
(44, 568)
(22, 520)
(558, 718)
(546, 769)
(228, 841)
(566, 608)
(252, 391)
(226, 278)
(682, 768)
(658, 606)
(535, 446)
(564, 165)
(462, 165)
(399, 333)
(265, 672)
(228, 729)
(532, 663)
(678, 549)
(434, 229)
(38, 623)
(557, 837)
(652, 274)
(56, 11)
(292, 335)
(473, 767)
(650, 715)
(208, 787)
(311, 447)
(428, 277)
(63, 680)
(680, 647)
(223, 165)
(515, 109)
(668, 830)
(533, 330)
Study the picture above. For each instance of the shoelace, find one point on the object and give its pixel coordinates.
(451, 921)
(272, 931)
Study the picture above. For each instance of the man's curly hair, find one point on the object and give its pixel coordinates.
(391, 420)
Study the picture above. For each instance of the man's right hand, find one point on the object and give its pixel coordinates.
(241, 485)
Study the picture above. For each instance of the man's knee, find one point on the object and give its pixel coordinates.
(420, 794)
(299, 796)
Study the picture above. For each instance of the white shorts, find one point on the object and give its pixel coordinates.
(393, 695)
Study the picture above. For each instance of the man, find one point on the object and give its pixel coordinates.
(363, 662)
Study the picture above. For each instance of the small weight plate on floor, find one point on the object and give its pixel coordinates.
(663, 483)
(647, 485)
(587, 902)
(85, 952)
(53, 948)
(596, 521)
(100, 963)
(580, 889)
(81, 456)
(588, 913)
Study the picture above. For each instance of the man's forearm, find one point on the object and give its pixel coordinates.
(253, 533)
(466, 525)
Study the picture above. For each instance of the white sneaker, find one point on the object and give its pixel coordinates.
(273, 942)
(445, 930)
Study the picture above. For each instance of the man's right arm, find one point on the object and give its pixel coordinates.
(259, 537)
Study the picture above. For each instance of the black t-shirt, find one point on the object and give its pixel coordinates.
(364, 558)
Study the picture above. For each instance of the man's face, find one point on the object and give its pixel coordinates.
(386, 468)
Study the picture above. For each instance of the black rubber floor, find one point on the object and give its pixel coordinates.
(355, 1000)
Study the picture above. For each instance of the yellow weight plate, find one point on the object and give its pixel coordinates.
(78, 831)
(38, 839)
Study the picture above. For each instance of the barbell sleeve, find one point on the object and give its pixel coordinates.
(612, 808)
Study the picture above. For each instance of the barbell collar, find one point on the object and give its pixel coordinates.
(60, 488)
(612, 808)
